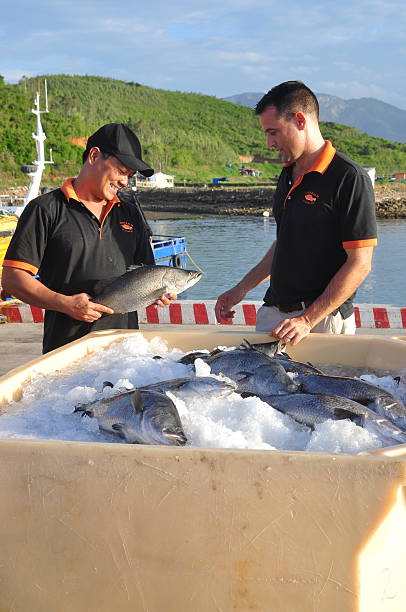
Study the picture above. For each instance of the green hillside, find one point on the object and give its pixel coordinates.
(189, 135)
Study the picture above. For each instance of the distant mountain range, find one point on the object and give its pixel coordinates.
(369, 115)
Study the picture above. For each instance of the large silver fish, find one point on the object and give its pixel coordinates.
(313, 408)
(269, 348)
(206, 386)
(253, 371)
(142, 285)
(190, 358)
(139, 417)
(266, 379)
(236, 360)
(275, 349)
(374, 397)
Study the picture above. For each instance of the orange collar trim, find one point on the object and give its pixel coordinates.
(68, 190)
(324, 159)
(70, 194)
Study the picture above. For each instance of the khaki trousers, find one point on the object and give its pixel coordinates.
(269, 316)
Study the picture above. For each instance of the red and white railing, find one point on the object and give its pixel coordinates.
(189, 312)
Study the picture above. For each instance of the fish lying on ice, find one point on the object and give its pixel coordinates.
(253, 371)
(369, 395)
(142, 285)
(236, 360)
(206, 386)
(191, 357)
(268, 379)
(313, 408)
(268, 348)
(275, 350)
(139, 417)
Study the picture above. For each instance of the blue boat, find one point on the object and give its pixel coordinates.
(170, 251)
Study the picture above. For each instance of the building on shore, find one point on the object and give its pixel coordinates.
(371, 173)
(159, 180)
(247, 171)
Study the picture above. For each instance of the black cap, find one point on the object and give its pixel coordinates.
(118, 140)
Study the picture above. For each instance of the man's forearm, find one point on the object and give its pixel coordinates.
(343, 284)
(26, 288)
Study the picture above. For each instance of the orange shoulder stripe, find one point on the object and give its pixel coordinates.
(355, 244)
(21, 265)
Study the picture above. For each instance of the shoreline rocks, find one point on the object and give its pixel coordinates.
(247, 202)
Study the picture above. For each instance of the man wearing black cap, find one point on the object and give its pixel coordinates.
(79, 234)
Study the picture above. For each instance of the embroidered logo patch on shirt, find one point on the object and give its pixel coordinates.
(310, 197)
(126, 226)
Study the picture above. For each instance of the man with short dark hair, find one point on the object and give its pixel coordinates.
(80, 234)
(326, 229)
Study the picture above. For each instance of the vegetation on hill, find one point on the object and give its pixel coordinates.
(189, 135)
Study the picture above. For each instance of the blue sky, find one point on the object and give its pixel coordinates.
(348, 49)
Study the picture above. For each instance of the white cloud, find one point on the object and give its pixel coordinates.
(217, 48)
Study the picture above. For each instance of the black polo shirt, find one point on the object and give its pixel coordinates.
(327, 210)
(70, 249)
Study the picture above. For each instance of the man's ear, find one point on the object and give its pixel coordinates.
(300, 120)
(94, 154)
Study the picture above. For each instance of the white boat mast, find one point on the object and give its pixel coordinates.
(39, 137)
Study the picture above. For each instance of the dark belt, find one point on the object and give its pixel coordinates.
(286, 308)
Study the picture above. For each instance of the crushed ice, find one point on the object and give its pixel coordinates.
(46, 408)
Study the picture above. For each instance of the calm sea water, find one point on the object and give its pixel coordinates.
(225, 248)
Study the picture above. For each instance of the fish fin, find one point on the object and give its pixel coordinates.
(134, 267)
(244, 376)
(101, 285)
(157, 294)
(214, 352)
(85, 411)
(178, 437)
(281, 346)
(136, 401)
(342, 413)
(245, 344)
(397, 379)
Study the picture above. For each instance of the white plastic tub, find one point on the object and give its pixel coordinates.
(112, 527)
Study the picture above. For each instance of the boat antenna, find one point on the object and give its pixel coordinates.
(37, 167)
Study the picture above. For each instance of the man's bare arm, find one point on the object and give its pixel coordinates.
(343, 284)
(22, 285)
